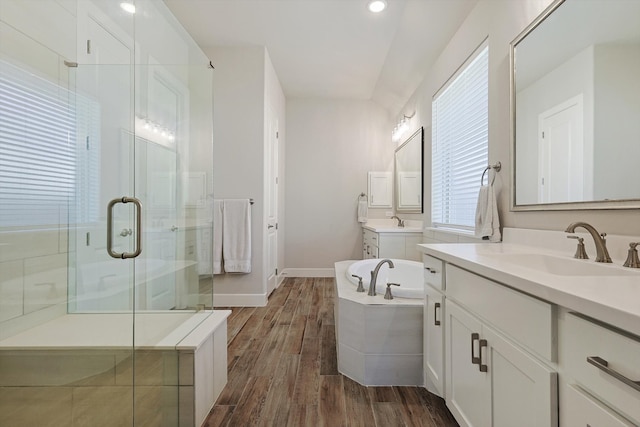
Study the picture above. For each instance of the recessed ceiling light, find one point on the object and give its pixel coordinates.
(128, 7)
(377, 5)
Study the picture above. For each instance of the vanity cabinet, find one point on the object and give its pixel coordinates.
(491, 381)
(499, 348)
(602, 373)
(390, 245)
(434, 320)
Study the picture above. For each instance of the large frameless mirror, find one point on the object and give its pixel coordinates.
(575, 105)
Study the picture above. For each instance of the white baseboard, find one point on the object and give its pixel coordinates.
(308, 272)
(239, 300)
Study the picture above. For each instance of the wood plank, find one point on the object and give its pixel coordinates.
(303, 416)
(387, 414)
(237, 322)
(293, 344)
(279, 396)
(328, 356)
(237, 378)
(271, 352)
(331, 408)
(383, 394)
(219, 416)
(437, 408)
(250, 407)
(357, 404)
(414, 412)
(308, 381)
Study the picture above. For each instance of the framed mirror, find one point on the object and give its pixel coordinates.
(575, 107)
(408, 174)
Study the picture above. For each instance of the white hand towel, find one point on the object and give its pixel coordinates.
(217, 236)
(363, 211)
(487, 220)
(236, 235)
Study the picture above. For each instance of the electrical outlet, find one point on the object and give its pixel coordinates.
(388, 214)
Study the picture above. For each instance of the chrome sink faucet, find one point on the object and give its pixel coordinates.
(602, 254)
(374, 276)
(400, 221)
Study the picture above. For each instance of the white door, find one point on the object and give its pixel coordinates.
(271, 208)
(561, 151)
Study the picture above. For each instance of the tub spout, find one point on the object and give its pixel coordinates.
(374, 276)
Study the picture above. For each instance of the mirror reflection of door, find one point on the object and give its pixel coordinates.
(561, 153)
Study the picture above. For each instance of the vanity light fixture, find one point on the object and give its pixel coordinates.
(401, 127)
(377, 6)
(128, 7)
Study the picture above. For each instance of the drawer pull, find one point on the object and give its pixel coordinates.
(431, 270)
(603, 365)
(474, 360)
(482, 366)
(436, 322)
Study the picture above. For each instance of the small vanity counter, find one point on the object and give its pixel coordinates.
(382, 238)
(607, 292)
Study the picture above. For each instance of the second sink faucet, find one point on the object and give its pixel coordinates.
(602, 254)
(374, 276)
(400, 221)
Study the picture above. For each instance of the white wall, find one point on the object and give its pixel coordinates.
(501, 21)
(332, 144)
(245, 85)
(238, 135)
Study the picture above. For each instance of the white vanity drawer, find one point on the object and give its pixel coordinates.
(433, 271)
(603, 361)
(526, 319)
(580, 409)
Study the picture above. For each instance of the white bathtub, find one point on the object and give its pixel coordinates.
(379, 341)
(181, 353)
(409, 274)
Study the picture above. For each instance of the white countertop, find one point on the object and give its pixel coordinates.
(610, 299)
(390, 226)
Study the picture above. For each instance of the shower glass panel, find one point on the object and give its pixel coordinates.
(105, 149)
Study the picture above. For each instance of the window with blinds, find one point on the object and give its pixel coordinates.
(460, 143)
(42, 168)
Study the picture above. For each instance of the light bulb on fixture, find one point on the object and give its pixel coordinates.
(377, 6)
(128, 7)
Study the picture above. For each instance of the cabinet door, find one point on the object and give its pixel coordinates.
(380, 189)
(524, 391)
(468, 390)
(434, 341)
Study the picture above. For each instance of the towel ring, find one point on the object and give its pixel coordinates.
(495, 167)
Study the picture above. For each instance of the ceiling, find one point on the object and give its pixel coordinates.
(333, 48)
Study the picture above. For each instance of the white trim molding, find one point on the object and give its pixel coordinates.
(239, 300)
(308, 272)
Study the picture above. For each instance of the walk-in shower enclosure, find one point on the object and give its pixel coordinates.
(105, 172)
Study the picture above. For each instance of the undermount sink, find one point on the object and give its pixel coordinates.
(566, 266)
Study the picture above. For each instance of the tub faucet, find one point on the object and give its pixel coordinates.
(602, 254)
(374, 276)
(400, 221)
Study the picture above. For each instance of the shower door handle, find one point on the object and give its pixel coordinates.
(138, 228)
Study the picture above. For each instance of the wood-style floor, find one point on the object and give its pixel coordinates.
(283, 370)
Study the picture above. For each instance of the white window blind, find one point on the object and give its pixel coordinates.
(41, 166)
(460, 144)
